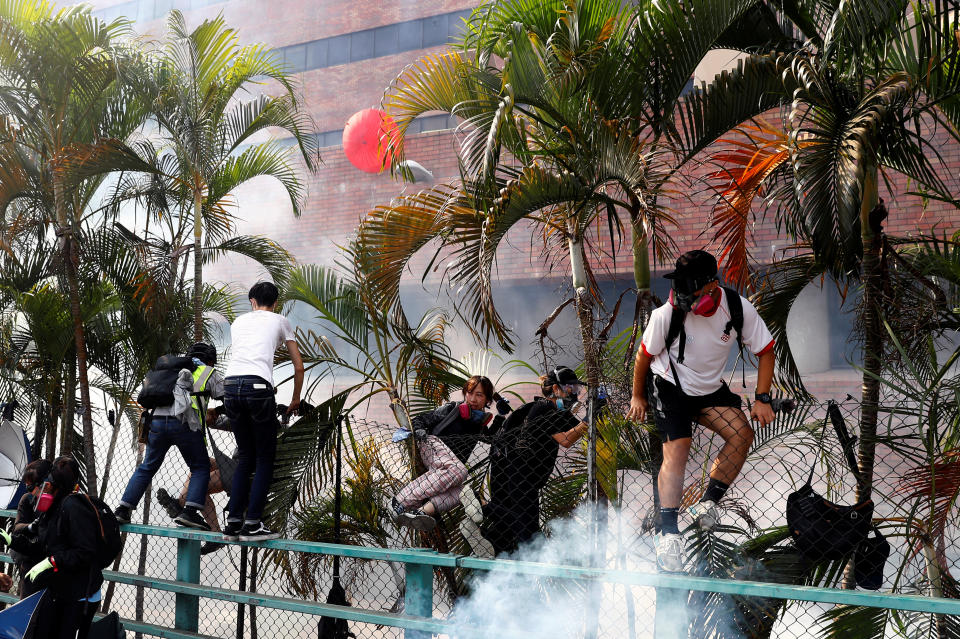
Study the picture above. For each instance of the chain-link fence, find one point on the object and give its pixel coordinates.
(520, 487)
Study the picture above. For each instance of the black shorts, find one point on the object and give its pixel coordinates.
(674, 412)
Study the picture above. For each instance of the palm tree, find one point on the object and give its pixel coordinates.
(877, 82)
(66, 103)
(209, 131)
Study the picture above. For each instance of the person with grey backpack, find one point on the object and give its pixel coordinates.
(177, 391)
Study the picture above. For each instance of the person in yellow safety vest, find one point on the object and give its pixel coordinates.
(180, 424)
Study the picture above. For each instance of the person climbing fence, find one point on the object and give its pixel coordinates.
(445, 439)
(524, 455)
(686, 345)
(177, 391)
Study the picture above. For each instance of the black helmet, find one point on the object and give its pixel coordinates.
(204, 352)
(562, 375)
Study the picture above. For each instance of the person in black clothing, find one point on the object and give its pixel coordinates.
(524, 459)
(67, 535)
(33, 476)
(445, 439)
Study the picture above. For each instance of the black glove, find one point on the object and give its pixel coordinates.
(503, 406)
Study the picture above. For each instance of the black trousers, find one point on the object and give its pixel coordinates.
(512, 516)
(61, 618)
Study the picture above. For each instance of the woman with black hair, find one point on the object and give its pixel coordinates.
(525, 457)
(33, 477)
(67, 539)
(446, 438)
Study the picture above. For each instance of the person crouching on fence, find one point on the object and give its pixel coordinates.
(686, 345)
(445, 439)
(180, 424)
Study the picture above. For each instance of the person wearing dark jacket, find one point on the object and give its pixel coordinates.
(512, 516)
(67, 536)
(446, 438)
(33, 477)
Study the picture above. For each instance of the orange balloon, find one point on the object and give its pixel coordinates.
(366, 139)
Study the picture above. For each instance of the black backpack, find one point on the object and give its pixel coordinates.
(108, 540)
(678, 317)
(159, 383)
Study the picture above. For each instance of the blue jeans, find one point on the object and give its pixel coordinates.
(252, 409)
(164, 433)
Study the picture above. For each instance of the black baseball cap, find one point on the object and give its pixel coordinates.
(694, 269)
(563, 375)
(694, 265)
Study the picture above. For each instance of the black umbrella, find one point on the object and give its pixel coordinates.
(330, 627)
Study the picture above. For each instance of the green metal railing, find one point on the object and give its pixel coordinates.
(418, 620)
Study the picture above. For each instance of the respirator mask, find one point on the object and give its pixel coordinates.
(46, 497)
(568, 402)
(684, 296)
(471, 414)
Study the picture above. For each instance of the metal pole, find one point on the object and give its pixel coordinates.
(242, 588)
(418, 596)
(188, 569)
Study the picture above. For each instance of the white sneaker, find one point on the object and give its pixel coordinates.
(471, 505)
(705, 514)
(670, 552)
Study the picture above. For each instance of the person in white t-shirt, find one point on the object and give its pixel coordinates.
(249, 400)
(688, 387)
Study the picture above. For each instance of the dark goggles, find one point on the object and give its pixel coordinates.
(689, 286)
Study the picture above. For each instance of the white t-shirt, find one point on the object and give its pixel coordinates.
(707, 348)
(255, 337)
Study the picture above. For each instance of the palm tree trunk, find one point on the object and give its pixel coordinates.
(71, 259)
(872, 237)
(197, 265)
(584, 302)
(69, 404)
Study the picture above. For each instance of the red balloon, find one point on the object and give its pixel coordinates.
(366, 139)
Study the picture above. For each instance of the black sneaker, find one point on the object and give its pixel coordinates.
(231, 532)
(257, 532)
(123, 514)
(211, 546)
(190, 518)
(171, 505)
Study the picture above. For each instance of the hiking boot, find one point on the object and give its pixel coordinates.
(211, 546)
(171, 505)
(190, 518)
(416, 519)
(257, 532)
(670, 552)
(231, 532)
(123, 514)
(705, 514)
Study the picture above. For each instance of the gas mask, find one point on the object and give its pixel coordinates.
(683, 296)
(45, 499)
(568, 402)
(471, 414)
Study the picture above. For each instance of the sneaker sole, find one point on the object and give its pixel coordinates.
(259, 537)
(423, 523)
(190, 524)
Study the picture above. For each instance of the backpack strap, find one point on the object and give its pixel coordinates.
(736, 315)
(735, 304)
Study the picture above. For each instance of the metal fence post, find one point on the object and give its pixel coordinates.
(188, 570)
(418, 596)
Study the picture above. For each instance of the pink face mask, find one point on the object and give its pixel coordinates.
(703, 305)
(45, 499)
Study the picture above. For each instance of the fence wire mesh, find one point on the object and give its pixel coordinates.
(520, 489)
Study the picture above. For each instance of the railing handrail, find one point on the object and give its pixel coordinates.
(419, 560)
